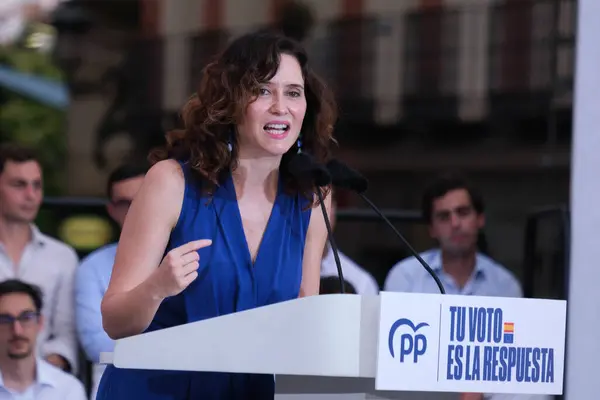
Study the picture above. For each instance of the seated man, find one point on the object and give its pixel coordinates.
(455, 214)
(33, 257)
(362, 281)
(93, 275)
(23, 375)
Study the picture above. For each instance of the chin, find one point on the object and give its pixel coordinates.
(277, 149)
(28, 219)
(18, 354)
(280, 152)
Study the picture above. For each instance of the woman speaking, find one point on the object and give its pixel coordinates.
(219, 225)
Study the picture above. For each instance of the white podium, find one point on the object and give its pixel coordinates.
(392, 346)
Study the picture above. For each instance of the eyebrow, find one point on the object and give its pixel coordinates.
(455, 209)
(24, 180)
(296, 86)
(288, 85)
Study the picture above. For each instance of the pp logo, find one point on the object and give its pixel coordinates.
(410, 343)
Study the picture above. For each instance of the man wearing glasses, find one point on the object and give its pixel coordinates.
(93, 275)
(23, 375)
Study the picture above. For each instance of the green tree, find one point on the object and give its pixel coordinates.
(27, 121)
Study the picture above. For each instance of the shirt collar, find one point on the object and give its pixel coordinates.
(43, 374)
(37, 237)
(435, 262)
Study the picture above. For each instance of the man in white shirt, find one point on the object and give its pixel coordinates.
(23, 375)
(29, 255)
(362, 281)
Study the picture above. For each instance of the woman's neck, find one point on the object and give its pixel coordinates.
(254, 173)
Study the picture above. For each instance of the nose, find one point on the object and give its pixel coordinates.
(278, 107)
(17, 328)
(30, 191)
(454, 220)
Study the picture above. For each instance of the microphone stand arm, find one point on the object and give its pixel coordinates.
(334, 248)
(412, 250)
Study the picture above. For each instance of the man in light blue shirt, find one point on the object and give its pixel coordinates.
(454, 212)
(93, 275)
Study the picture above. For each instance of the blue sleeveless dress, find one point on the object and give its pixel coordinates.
(227, 282)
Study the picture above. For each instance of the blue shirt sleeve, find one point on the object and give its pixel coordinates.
(89, 290)
(399, 278)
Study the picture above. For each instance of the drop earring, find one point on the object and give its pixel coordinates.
(299, 145)
(230, 141)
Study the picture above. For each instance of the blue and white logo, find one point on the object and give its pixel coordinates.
(411, 342)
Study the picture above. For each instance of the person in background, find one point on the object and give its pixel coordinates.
(454, 212)
(361, 280)
(23, 375)
(93, 274)
(31, 256)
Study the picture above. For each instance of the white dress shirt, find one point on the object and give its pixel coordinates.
(49, 264)
(363, 282)
(50, 384)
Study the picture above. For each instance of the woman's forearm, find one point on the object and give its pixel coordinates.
(130, 313)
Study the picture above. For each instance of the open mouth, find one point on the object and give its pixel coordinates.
(276, 129)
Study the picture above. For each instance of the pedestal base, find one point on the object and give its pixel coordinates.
(289, 387)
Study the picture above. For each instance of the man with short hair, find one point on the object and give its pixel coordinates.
(93, 275)
(454, 212)
(31, 256)
(23, 375)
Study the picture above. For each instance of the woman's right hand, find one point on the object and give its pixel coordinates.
(178, 268)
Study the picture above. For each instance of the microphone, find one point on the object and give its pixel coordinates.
(345, 177)
(304, 168)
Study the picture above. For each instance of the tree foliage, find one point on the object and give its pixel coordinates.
(26, 121)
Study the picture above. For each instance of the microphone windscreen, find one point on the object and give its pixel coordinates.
(304, 167)
(347, 178)
(301, 165)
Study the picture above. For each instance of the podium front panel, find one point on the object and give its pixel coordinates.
(451, 343)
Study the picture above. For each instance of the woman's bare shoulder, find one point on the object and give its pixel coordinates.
(163, 188)
(167, 172)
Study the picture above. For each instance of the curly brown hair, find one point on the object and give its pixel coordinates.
(228, 85)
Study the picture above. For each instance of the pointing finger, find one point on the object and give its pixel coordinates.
(193, 246)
